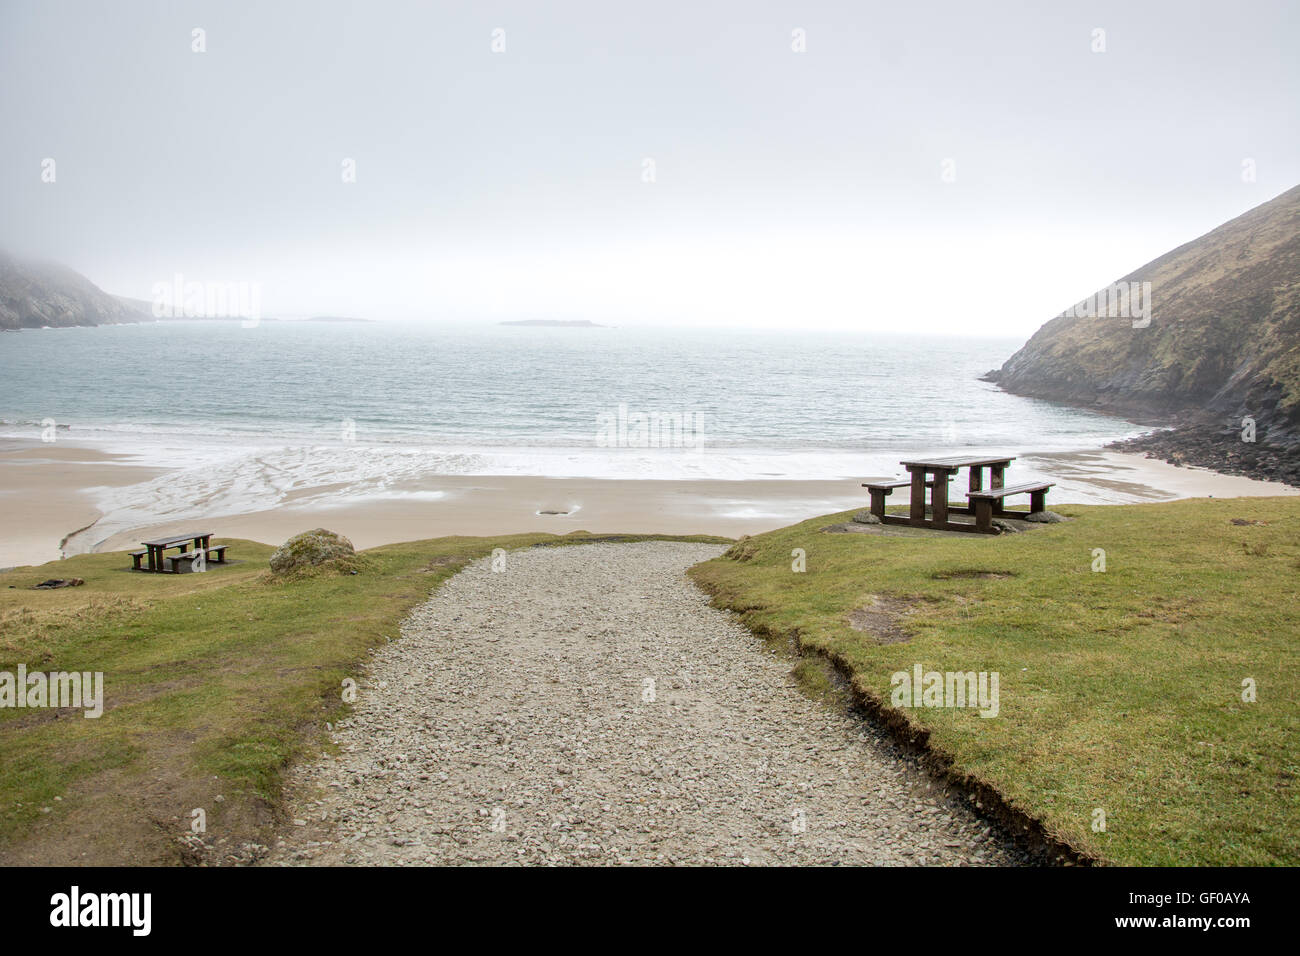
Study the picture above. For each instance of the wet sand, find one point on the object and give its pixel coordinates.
(48, 495)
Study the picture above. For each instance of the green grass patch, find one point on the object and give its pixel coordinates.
(1119, 690)
(213, 684)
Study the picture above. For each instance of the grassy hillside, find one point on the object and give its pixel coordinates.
(1119, 690)
(1224, 335)
(214, 682)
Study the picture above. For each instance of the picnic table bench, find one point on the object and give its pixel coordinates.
(988, 503)
(159, 561)
(880, 490)
(934, 474)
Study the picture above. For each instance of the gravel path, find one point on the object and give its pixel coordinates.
(586, 705)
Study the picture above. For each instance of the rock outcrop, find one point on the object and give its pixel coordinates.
(1218, 354)
(34, 295)
(313, 549)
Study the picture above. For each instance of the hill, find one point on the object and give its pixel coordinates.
(1220, 345)
(34, 295)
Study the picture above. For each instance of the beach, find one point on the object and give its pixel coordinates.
(48, 492)
(64, 498)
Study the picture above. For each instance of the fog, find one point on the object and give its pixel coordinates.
(947, 167)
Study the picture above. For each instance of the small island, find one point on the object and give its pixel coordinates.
(558, 323)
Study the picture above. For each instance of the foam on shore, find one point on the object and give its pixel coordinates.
(103, 499)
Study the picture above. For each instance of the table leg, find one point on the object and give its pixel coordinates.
(976, 477)
(153, 559)
(939, 499)
(995, 481)
(917, 515)
(878, 501)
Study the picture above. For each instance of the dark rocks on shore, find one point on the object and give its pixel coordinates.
(1220, 443)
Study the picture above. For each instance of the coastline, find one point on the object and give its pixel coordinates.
(47, 494)
(1217, 443)
(52, 497)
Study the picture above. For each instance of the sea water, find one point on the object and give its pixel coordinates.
(249, 416)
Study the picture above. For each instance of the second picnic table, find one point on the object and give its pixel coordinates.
(156, 548)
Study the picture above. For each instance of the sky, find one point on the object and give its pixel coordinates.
(945, 167)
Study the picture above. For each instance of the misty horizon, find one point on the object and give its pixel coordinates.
(759, 167)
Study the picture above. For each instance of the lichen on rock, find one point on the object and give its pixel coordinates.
(313, 549)
(1044, 517)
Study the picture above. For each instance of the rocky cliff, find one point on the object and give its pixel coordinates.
(37, 294)
(1206, 337)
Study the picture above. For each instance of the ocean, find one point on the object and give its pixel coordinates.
(287, 408)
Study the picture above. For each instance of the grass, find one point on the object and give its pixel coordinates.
(214, 684)
(1120, 690)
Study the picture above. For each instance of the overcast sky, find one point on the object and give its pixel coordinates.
(789, 188)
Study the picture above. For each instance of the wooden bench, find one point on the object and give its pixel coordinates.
(987, 503)
(880, 490)
(157, 550)
(137, 557)
(216, 553)
(187, 557)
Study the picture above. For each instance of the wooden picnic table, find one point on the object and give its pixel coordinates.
(156, 548)
(936, 472)
(985, 504)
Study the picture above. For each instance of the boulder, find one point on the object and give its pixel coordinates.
(866, 517)
(311, 549)
(1044, 517)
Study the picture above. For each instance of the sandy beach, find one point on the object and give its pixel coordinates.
(47, 493)
(52, 495)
